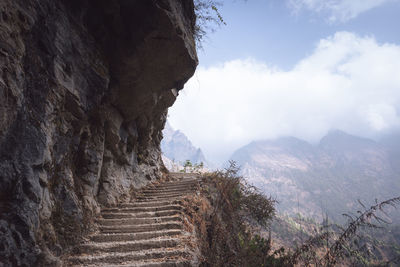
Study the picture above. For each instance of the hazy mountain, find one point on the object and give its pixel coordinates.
(330, 176)
(177, 147)
(391, 142)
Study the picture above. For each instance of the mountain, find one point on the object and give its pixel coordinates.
(177, 148)
(328, 177)
(391, 142)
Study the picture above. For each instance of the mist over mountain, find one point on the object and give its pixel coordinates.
(177, 148)
(328, 177)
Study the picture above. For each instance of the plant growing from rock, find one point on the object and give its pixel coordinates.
(207, 16)
(223, 227)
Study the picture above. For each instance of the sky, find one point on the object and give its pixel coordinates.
(293, 68)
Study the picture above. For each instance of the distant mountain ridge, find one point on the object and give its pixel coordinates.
(328, 177)
(177, 148)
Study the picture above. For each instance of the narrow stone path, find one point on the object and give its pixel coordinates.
(150, 231)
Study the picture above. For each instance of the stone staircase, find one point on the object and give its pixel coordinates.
(149, 231)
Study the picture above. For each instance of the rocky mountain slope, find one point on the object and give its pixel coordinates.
(84, 92)
(178, 148)
(329, 177)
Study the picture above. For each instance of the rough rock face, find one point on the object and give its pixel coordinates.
(84, 90)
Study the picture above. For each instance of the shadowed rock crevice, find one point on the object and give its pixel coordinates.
(84, 91)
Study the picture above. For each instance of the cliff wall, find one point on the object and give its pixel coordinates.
(84, 91)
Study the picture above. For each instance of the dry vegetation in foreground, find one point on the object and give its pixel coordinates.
(228, 210)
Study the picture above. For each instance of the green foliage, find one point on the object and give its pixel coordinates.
(189, 167)
(207, 16)
(198, 167)
(187, 163)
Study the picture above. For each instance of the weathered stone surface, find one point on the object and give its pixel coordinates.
(84, 91)
(154, 231)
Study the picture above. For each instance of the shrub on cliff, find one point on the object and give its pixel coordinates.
(225, 215)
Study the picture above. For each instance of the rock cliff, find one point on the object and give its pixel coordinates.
(84, 91)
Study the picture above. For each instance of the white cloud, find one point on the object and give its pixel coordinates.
(337, 10)
(349, 82)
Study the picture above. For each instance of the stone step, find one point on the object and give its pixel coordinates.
(126, 246)
(163, 191)
(167, 191)
(105, 259)
(172, 188)
(141, 227)
(174, 185)
(180, 263)
(161, 197)
(158, 195)
(166, 263)
(121, 215)
(183, 175)
(155, 203)
(134, 236)
(169, 262)
(142, 209)
(134, 221)
(146, 199)
(191, 179)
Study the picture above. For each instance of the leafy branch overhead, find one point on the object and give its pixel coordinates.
(207, 17)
